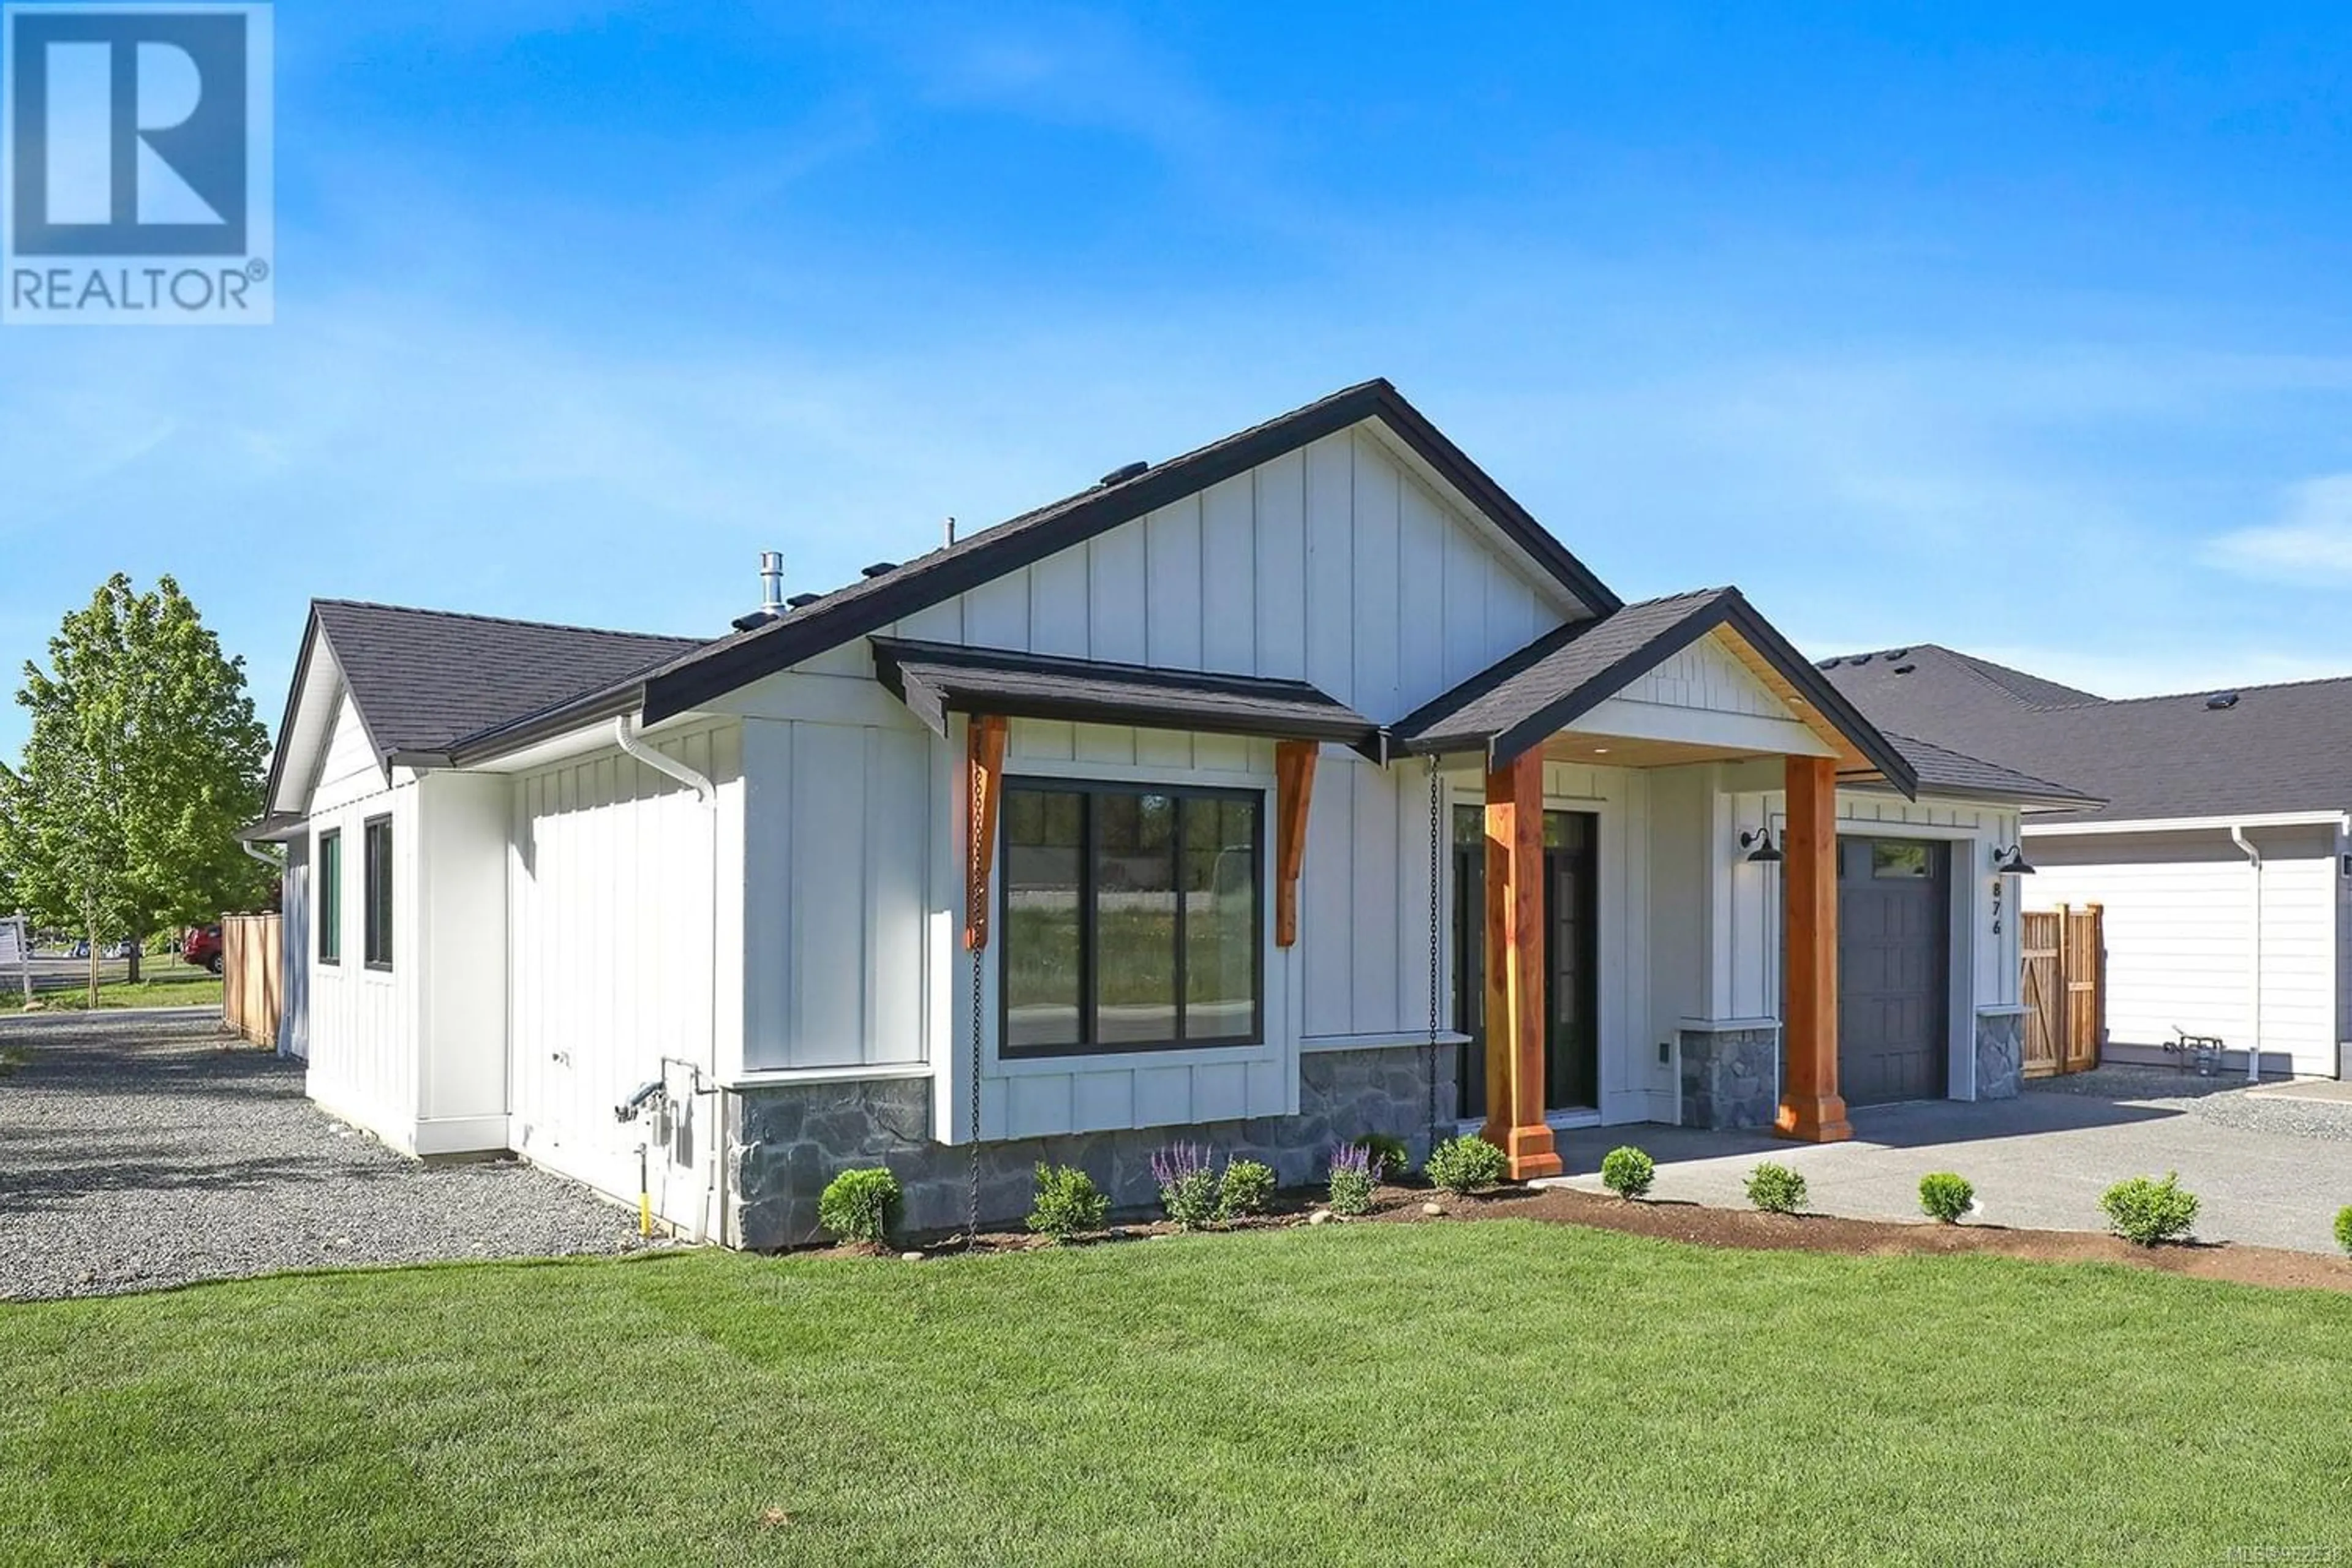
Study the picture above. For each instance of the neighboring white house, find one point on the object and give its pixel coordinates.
(2219, 857)
(1264, 748)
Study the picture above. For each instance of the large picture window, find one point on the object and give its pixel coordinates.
(378, 891)
(1134, 917)
(331, 897)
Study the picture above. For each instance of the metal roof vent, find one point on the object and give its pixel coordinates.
(2221, 700)
(1119, 476)
(1905, 669)
(881, 569)
(802, 601)
(771, 594)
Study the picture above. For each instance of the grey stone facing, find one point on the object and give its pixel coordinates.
(2000, 1055)
(1731, 1077)
(788, 1140)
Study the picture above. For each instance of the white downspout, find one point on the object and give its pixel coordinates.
(626, 734)
(2254, 926)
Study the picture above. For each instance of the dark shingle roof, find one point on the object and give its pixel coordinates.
(424, 680)
(1945, 771)
(935, 678)
(2276, 748)
(1513, 705)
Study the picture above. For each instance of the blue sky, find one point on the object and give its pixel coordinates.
(2027, 330)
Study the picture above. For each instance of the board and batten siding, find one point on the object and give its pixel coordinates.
(1332, 565)
(2178, 913)
(849, 885)
(614, 976)
(364, 1061)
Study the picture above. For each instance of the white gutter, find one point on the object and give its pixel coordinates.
(627, 735)
(2254, 926)
(2188, 823)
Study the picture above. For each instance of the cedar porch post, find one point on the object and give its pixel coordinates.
(1515, 968)
(1811, 1107)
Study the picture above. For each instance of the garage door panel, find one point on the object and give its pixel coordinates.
(1893, 970)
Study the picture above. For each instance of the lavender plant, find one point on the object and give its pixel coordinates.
(1187, 1178)
(1352, 1180)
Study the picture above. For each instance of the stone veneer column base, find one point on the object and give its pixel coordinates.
(1731, 1077)
(2000, 1055)
(788, 1140)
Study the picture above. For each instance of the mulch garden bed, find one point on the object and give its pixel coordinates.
(1745, 1228)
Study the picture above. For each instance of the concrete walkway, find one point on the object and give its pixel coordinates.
(2272, 1171)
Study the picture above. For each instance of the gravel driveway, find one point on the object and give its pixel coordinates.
(139, 1151)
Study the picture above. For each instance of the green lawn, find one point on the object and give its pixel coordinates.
(172, 987)
(1443, 1394)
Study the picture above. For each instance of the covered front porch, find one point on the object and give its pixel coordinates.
(1625, 801)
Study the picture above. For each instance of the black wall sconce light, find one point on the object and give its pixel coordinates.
(1761, 851)
(2009, 862)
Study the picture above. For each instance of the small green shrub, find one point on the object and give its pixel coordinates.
(1247, 1188)
(860, 1205)
(1776, 1189)
(2147, 1211)
(1068, 1203)
(1351, 1180)
(1465, 1165)
(2344, 1227)
(1944, 1197)
(1628, 1172)
(1390, 1157)
(1187, 1184)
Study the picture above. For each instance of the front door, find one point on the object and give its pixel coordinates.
(1895, 902)
(1571, 963)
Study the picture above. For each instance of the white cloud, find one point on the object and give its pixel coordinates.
(2309, 541)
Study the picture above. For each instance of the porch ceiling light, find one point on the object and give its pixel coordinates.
(1761, 851)
(2010, 862)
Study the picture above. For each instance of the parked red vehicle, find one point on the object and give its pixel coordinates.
(201, 944)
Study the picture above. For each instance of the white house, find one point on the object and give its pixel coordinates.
(1300, 787)
(2218, 855)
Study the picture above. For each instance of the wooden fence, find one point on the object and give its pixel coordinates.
(253, 980)
(2064, 989)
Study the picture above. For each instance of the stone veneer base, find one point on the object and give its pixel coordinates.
(1731, 1077)
(2000, 1055)
(788, 1140)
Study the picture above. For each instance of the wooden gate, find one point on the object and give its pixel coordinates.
(252, 978)
(2065, 988)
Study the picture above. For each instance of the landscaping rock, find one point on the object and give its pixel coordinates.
(1320, 1216)
(1433, 1209)
(163, 1159)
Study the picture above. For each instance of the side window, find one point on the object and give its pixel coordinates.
(331, 897)
(378, 894)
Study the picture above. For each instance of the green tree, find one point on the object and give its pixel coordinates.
(145, 758)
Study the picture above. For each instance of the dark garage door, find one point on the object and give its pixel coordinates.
(1894, 908)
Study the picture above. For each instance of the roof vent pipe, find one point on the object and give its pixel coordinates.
(772, 582)
(951, 533)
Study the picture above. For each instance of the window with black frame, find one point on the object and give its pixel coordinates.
(1134, 917)
(331, 897)
(377, 878)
